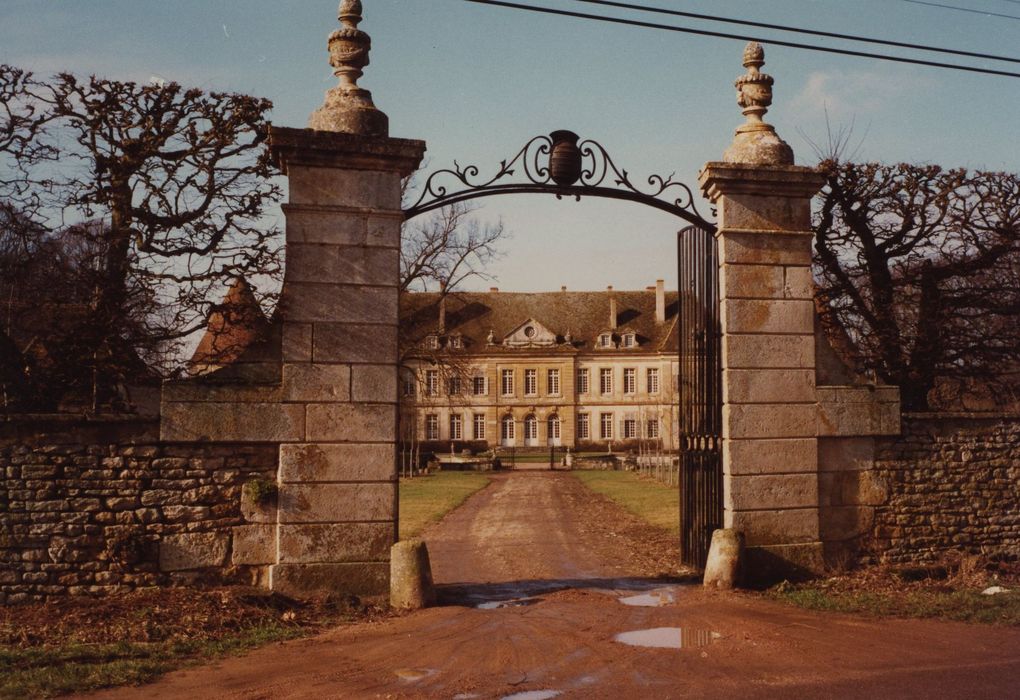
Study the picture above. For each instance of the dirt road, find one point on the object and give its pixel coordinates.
(528, 534)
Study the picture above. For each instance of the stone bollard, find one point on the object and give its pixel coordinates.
(725, 559)
(411, 576)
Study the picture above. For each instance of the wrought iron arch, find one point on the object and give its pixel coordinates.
(557, 164)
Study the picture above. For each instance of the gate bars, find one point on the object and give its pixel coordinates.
(700, 390)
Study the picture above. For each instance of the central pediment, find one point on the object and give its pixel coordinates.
(531, 333)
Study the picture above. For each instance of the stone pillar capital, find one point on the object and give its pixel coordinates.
(718, 179)
(331, 149)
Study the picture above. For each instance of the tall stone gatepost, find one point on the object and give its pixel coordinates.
(770, 446)
(337, 513)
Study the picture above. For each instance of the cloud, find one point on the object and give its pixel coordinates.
(845, 94)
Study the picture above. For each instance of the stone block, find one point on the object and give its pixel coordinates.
(344, 462)
(318, 382)
(352, 423)
(838, 417)
(852, 488)
(309, 580)
(765, 527)
(337, 303)
(769, 386)
(374, 383)
(768, 316)
(845, 522)
(308, 224)
(742, 421)
(319, 262)
(198, 391)
(411, 586)
(335, 542)
(193, 550)
(370, 189)
(768, 351)
(744, 248)
(254, 545)
(764, 212)
(261, 512)
(337, 503)
(297, 342)
(845, 453)
(771, 491)
(232, 422)
(798, 283)
(356, 343)
(751, 282)
(743, 457)
(384, 228)
(725, 559)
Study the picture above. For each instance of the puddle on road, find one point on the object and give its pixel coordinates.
(655, 599)
(668, 638)
(532, 695)
(412, 675)
(516, 603)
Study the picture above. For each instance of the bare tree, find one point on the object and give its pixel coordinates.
(163, 190)
(919, 265)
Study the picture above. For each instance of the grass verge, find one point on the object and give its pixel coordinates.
(952, 591)
(79, 644)
(654, 503)
(426, 499)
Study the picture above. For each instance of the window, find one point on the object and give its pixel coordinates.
(606, 426)
(583, 427)
(432, 382)
(629, 340)
(653, 380)
(507, 386)
(479, 426)
(629, 380)
(478, 386)
(456, 427)
(629, 429)
(652, 428)
(606, 340)
(409, 385)
(454, 385)
(506, 429)
(553, 429)
(432, 342)
(606, 380)
(582, 380)
(431, 427)
(553, 382)
(530, 428)
(530, 382)
(456, 342)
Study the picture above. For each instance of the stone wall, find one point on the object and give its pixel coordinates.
(94, 507)
(952, 484)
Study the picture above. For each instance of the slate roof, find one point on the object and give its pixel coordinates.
(584, 315)
(234, 324)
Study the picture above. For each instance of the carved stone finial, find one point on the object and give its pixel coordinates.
(348, 107)
(756, 141)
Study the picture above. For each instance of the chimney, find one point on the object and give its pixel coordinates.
(442, 314)
(563, 288)
(612, 308)
(660, 301)
(493, 290)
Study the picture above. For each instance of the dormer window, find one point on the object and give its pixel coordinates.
(606, 340)
(432, 342)
(456, 342)
(629, 340)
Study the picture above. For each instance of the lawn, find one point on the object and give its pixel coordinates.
(648, 499)
(426, 499)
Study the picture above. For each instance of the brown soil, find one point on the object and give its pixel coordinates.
(527, 534)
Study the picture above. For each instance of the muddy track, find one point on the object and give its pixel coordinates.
(529, 533)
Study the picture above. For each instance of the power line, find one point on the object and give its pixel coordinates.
(961, 9)
(740, 37)
(798, 30)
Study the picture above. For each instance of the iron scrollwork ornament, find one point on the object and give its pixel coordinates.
(562, 165)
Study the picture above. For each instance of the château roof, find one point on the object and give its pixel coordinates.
(234, 324)
(582, 315)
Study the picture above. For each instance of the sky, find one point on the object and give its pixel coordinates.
(477, 82)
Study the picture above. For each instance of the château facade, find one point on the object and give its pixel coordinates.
(572, 369)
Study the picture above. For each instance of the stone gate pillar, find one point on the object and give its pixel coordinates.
(337, 500)
(770, 448)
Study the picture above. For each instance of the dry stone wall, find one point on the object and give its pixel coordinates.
(952, 484)
(101, 506)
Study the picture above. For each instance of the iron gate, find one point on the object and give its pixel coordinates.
(700, 393)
